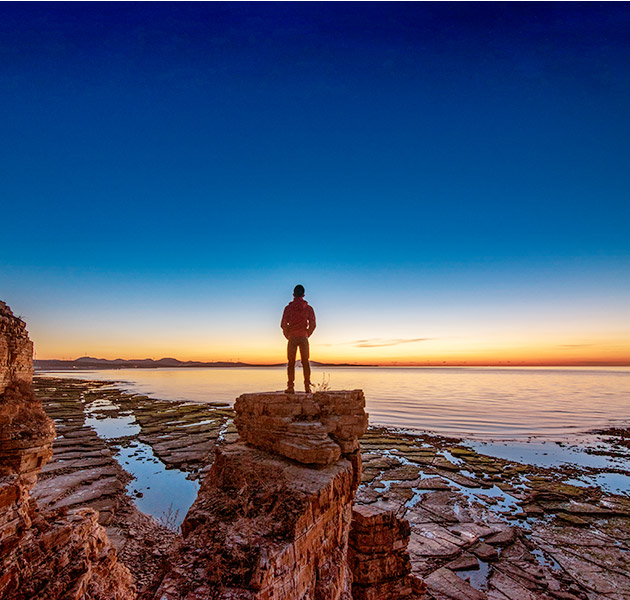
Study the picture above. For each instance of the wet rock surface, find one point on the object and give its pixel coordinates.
(483, 527)
(85, 470)
(182, 434)
(617, 437)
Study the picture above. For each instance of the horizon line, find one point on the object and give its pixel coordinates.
(424, 363)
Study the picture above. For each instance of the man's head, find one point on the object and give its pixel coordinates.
(298, 291)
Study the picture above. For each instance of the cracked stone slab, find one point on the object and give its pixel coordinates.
(443, 584)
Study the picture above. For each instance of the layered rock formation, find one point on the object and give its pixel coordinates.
(266, 524)
(16, 351)
(264, 528)
(51, 555)
(314, 429)
(378, 556)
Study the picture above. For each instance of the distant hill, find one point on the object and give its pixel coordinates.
(90, 363)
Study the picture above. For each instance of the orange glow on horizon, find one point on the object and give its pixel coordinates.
(444, 345)
(542, 356)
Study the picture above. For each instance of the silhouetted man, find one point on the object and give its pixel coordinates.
(298, 323)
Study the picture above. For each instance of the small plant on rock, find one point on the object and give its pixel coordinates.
(324, 385)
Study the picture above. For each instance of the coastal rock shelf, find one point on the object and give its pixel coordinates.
(490, 529)
(51, 555)
(82, 471)
(182, 434)
(478, 527)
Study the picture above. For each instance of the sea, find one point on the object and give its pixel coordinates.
(485, 403)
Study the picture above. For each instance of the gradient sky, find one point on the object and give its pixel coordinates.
(449, 181)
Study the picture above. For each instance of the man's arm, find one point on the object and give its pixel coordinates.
(311, 321)
(284, 324)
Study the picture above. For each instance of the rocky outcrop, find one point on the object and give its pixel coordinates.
(265, 528)
(272, 518)
(16, 351)
(378, 556)
(314, 429)
(53, 555)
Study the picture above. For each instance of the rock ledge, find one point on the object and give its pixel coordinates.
(313, 429)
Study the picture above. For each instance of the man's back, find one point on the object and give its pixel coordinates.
(298, 319)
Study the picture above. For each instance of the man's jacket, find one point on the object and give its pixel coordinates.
(298, 319)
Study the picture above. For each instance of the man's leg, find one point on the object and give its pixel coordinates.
(306, 367)
(291, 352)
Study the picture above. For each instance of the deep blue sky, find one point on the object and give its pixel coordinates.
(173, 158)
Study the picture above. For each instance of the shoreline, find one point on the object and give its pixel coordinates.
(419, 473)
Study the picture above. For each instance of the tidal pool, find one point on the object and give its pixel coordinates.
(165, 494)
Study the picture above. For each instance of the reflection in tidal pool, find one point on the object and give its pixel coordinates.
(162, 493)
(165, 493)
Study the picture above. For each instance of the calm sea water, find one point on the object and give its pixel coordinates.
(482, 403)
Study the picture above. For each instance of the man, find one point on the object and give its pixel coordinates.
(298, 323)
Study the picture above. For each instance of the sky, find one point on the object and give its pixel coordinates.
(449, 181)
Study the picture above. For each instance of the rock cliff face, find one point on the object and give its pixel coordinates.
(53, 555)
(16, 351)
(267, 524)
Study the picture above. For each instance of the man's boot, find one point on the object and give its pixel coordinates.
(290, 389)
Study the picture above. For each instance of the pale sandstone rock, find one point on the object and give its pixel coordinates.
(309, 428)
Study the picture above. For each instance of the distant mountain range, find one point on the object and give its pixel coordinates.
(88, 362)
